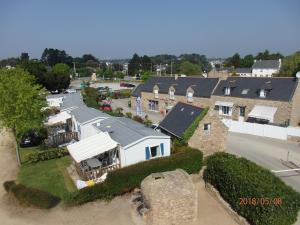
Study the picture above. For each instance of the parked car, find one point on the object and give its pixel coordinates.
(127, 85)
(106, 107)
(69, 91)
(30, 139)
(54, 92)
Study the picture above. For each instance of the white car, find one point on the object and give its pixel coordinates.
(70, 91)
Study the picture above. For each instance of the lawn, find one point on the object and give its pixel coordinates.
(51, 176)
(24, 152)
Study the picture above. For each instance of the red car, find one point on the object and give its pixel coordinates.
(105, 107)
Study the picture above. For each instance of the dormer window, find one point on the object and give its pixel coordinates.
(155, 93)
(227, 91)
(190, 96)
(171, 94)
(262, 93)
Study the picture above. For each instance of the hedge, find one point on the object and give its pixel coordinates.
(47, 155)
(126, 179)
(238, 178)
(188, 133)
(31, 196)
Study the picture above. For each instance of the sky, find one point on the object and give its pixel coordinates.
(118, 29)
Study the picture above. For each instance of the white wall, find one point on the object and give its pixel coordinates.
(263, 130)
(264, 72)
(136, 152)
(88, 130)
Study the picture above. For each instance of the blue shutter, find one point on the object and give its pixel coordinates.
(162, 149)
(147, 153)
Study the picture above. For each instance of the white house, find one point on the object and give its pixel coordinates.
(265, 68)
(243, 72)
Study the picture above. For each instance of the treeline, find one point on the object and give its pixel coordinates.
(290, 64)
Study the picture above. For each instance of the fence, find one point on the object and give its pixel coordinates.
(62, 138)
(263, 130)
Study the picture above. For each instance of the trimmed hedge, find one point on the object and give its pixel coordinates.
(31, 196)
(238, 178)
(47, 155)
(126, 179)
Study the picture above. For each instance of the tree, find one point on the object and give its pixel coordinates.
(267, 56)
(189, 68)
(134, 65)
(21, 101)
(247, 61)
(87, 57)
(290, 65)
(197, 59)
(235, 61)
(146, 75)
(24, 56)
(146, 63)
(58, 78)
(52, 56)
(37, 69)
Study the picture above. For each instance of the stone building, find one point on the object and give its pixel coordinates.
(261, 100)
(171, 198)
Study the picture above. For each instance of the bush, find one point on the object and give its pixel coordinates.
(138, 119)
(47, 155)
(8, 184)
(34, 197)
(129, 115)
(126, 179)
(148, 122)
(238, 178)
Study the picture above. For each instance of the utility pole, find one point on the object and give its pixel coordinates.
(171, 68)
(74, 68)
(160, 70)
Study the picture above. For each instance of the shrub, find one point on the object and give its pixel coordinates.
(34, 197)
(238, 178)
(126, 179)
(8, 184)
(129, 115)
(148, 122)
(47, 154)
(138, 119)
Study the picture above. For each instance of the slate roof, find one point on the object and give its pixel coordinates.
(202, 87)
(180, 118)
(279, 89)
(84, 114)
(72, 100)
(126, 131)
(137, 91)
(266, 64)
(243, 70)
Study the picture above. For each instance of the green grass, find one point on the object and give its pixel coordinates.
(51, 176)
(24, 152)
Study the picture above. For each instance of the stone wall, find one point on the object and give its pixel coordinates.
(215, 141)
(295, 114)
(164, 99)
(282, 115)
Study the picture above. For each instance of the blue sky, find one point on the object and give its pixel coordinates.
(117, 29)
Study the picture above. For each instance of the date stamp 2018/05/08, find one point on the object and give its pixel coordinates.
(260, 201)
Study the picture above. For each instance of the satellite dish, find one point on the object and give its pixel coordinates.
(298, 74)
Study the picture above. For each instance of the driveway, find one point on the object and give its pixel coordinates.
(268, 153)
(155, 117)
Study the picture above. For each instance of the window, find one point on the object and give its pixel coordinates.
(155, 93)
(153, 105)
(154, 151)
(171, 94)
(242, 111)
(225, 110)
(206, 128)
(227, 91)
(262, 93)
(190, 97)
(245, 91)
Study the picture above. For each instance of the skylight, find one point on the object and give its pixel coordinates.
(192, 113)
(245, 91)
(182, 109)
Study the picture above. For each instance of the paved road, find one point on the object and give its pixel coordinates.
(268, 153)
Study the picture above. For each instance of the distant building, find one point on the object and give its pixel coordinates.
(243, 72)
(265, 68)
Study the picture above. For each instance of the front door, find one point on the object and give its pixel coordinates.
(242, 113)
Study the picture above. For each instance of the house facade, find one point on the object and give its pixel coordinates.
(266, 68)
(243, 72)
(261, 100)
(160, 94)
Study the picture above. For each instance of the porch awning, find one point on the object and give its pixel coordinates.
(91, 146)
(220, 103)
(263, 112)
(58, 118)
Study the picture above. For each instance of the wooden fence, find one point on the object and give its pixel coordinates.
(59, 139)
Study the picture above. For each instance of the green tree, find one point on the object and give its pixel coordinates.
(58, 78)
(146, 75)
(247, 61)
(21, 100)
(189, 68)
(52, 56)
(267, 56)
(235, 61)
(290, 65)
(37, 69)
(134, 65)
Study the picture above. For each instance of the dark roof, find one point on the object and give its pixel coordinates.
(137, 91)
(180, 118)
(202, 87)
(243, 70)
(266, 64)
(126, 131)
(279, 89)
